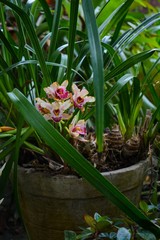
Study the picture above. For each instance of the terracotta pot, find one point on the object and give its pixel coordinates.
(51, 204)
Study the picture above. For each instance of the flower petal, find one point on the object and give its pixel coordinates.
(65, 83)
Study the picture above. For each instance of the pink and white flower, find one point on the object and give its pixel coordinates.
(58, 92)
(77, 129)
(58, 111)
(54, 111)
(80, 97)
(42, 106)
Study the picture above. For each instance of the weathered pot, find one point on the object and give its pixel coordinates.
(51, 204)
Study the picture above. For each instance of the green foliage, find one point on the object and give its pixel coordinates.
(69, 235)
(105, 228)
(103, 52)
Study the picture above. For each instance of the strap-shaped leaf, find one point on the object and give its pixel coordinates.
(55, 26)
(130, 62)
(33, 37)
(131, 35)
(112, 91)
(72, 34)
(97, 65)
(47, 12)
(114, 17)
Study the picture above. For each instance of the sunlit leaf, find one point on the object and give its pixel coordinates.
(144, 206)
(90, 221)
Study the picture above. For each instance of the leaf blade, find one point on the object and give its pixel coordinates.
(97, 65)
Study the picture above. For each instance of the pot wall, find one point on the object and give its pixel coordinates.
(51, 205)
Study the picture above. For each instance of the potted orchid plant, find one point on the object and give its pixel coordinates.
(97, 76)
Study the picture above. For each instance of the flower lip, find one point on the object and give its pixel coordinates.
(61, 93)
(80, 97)
(56, 119)
(57, 92)
(56, 112)
(80, 129)
(42, 106)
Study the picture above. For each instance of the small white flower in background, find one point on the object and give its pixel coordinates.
(1, 169)
(1, 200)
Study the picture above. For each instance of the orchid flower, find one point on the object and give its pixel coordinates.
(57, 92)
(42, 106)
(80, 97)
(55, 110)
(77, 129)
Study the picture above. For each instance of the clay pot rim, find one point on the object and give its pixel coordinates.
(105, 174)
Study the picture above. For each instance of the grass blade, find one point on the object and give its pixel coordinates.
(72, 34)
(55, 26)
(33, 37)
(130, 62)
(114, 18)
(97, 65)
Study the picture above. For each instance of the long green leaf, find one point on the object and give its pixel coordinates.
(130, 62)
(55, 26)
(112, 91)
(131, 35)
(72, 34)
(47, 12)
(97, 65)
(32, 62)
(33, 37)
(107, 9)
(59, 144)
(114, 18)
(117, 86)
(8, 46)
(9, 82)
